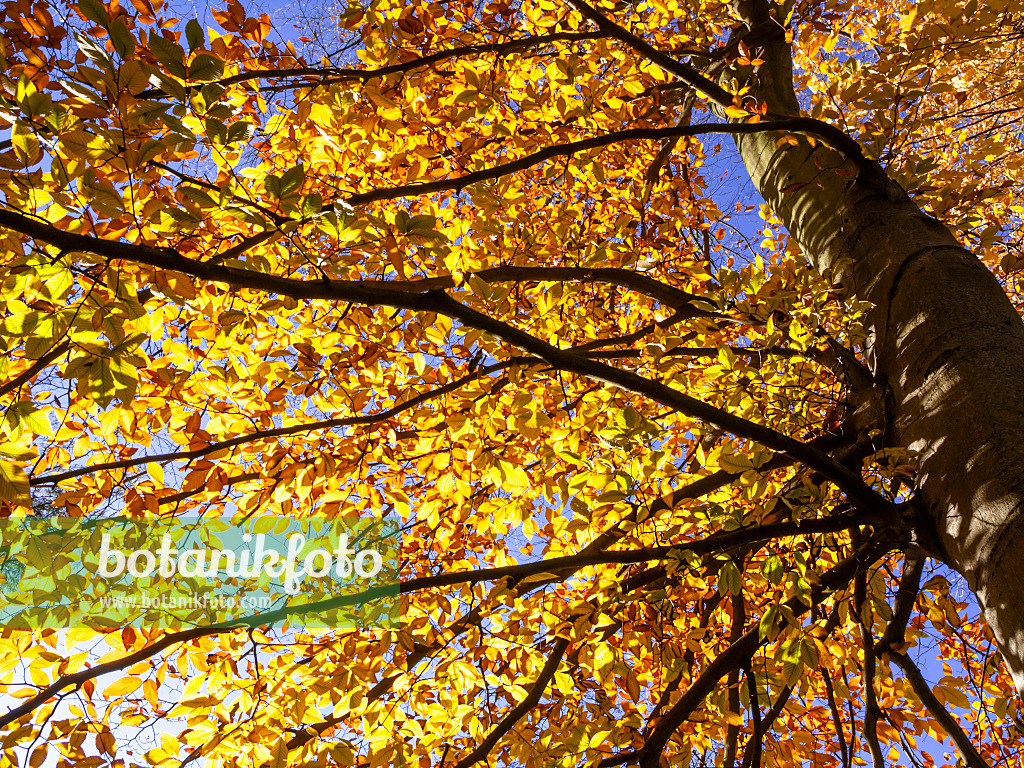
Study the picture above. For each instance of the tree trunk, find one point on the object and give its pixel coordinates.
(943, 340)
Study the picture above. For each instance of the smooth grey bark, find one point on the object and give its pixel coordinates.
(943, 340)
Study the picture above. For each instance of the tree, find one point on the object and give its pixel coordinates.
(670, 481)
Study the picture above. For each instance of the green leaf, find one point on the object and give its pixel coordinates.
(312, 204)
(423, 225)
(96, 381)
(292, 180)
(230, 317)
(791, 672)
(220, 111)
(171, 87)
(150, 150)
(194, 35)
(205, 68)
(121, 38)
(790, 650)
(273, 186)
(729, 580)
(77, 89)
(604, 659)
(240, 131)
(737, 463)
(24, 416)
(239, 213)
(13, 483)
(773, 570)
(147, 112)
(106, 198)
(171, 55)
(211, 94)
(26, 145)
(39, 554)
(767, 627)
(216, 131)
(402, 220)
(199, 197)
(126, 379)
(94, 52)
(174, 219)
(21, 450)
(809, 653)
(279, 754)
(33, 103)
(56, 283)
(182, 134)
(42, 342)
(81, 144)
(24, 89)
(94, 11)
(126, 347)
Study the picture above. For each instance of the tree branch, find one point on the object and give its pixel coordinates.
(695, 490)
(754, 744)
(967, 749)
(716, 542)
(871, 711)
(570, 563)
(828, 133)
(684, 72)
(520, 710)
(736, 655)
(176, 498)
(689, 655)
(77, 679)
(330, 75)
(732, 733)
(877, 509)
(293, 429)
(752, 751)
(896, 629)
(837, 720)
(664, 293)
(26, 376)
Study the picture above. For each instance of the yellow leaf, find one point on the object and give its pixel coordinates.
(907, 21)
(84, 145)
(604, 658)
(735, 462)
(122, 687)
(168, 743)
(279, 754)
(13, 483)
(26, 145)
(74, 663)
(564, 684)
(39, 554)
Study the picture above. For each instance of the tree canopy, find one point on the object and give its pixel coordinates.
(496, 269)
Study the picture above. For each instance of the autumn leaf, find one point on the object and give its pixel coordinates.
(13, 483)
(122, 687)
(485, 270)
